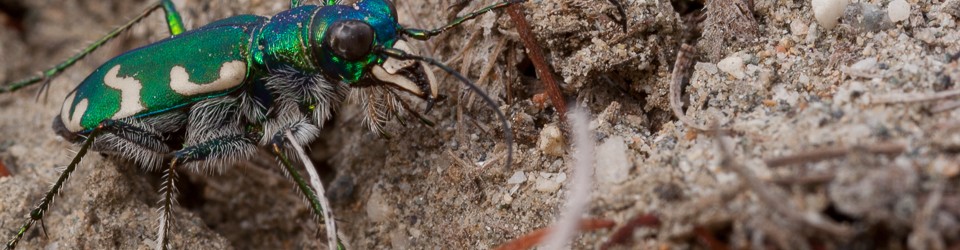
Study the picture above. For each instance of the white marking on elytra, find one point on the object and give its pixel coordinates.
(129, 88)
(232, 74)
(72, 121)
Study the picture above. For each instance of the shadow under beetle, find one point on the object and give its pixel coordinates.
(211, 96)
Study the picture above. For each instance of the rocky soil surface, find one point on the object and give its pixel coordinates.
(836, 138)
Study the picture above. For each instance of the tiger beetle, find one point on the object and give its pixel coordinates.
(208, 97)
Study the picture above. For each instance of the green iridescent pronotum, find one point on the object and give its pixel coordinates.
(210, 96)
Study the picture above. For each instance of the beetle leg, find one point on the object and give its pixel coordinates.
(137, 134)
(420, 34)
(174, 22)
(168, 192)
(317, 201)
(60, 67)
(214, 148)
(298, 3)
(41, 209)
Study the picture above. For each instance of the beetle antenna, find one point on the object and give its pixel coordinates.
(420, 34)
(507, 133)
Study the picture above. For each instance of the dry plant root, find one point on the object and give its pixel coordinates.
(683, 66)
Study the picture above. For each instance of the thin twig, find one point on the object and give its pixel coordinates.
(888, 148)
(625, 233)
(459, 160)
(681, 68)
(909, 98)
(945, 106)
(485, 71)
(533, 238)
(708, 239)
(483, 129)
(494, 159)
(492, 60)
(924, 236)
(539, 61)
(766, 195)
(805, 179)
(461, 54)
(778, 232)
(3, 170)
(860, 73)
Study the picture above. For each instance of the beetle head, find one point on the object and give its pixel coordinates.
(345, 41)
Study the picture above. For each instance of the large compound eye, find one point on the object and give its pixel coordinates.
(350, 39)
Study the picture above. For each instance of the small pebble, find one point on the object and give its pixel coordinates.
(546, 185)
(706, 67)
(798, 28)
(551, 140)
(865, 64)
(378, 209)
(561, 177)
(812, 33)
(928, 35)
(898, 10)
(951, 7)
(944, 167)
(828, 12)
(517, 178)
(399, 239)
(732, 65)
(507, 199)
(866, 18)
(613, 164)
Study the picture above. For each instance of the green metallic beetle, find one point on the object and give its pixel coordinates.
(209, 97)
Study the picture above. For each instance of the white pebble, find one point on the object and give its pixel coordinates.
(378, 209)
(517, 178)
(798, 28)
(613, 164)
(546, 185)
(898, 10)
(865, 64)
(551, 140)
(707, 67)
(732, 65)
(828, 12)
(812, 33)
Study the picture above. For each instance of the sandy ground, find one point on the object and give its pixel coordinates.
(779, 82)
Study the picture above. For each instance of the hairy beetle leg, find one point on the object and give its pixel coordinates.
(38, 212)
(216, 147)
